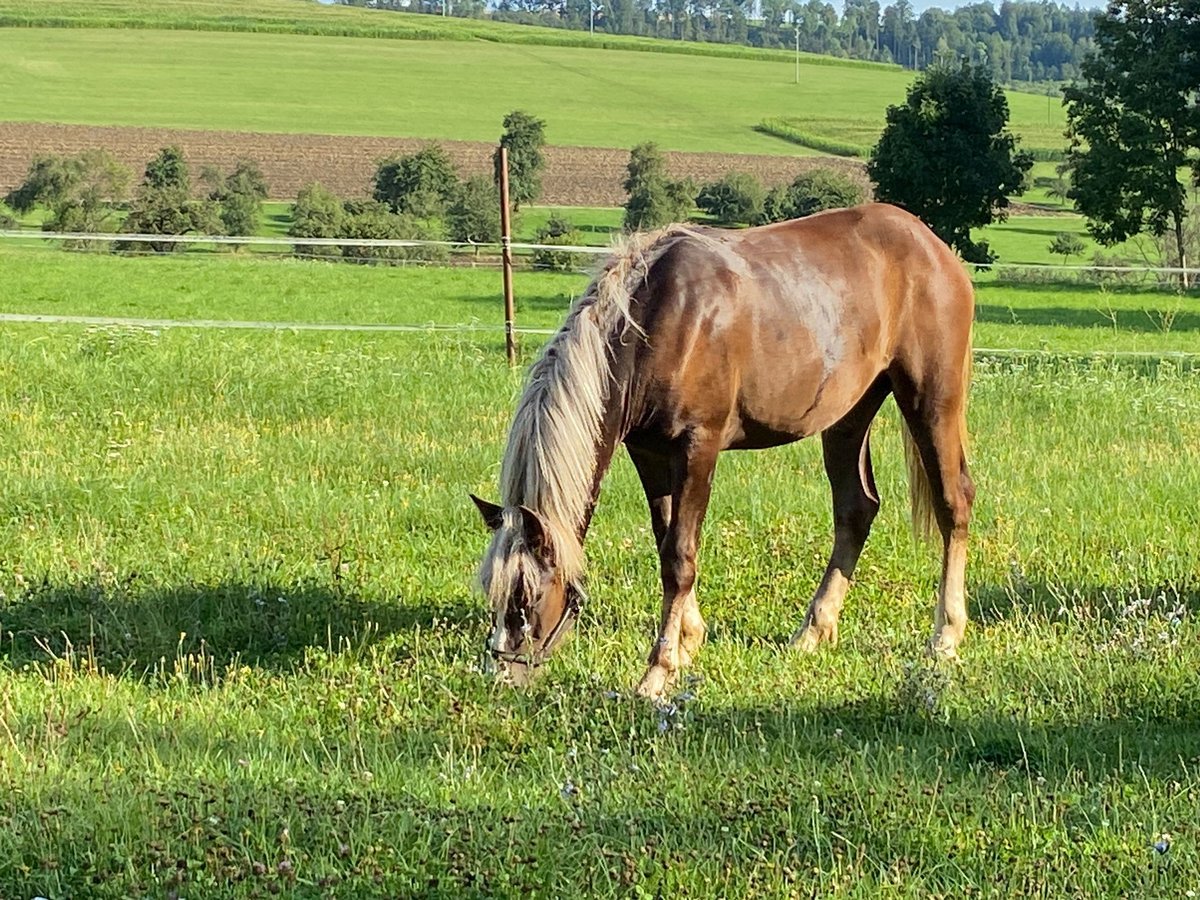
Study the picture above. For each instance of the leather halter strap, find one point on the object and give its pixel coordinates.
(575, 600)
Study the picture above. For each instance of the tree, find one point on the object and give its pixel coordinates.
(474, 216)
(164, 204)
(946, 156)
(653, 199)
(1133, 119)
(238, 195)
(79, 191)
(1066, 245)
(420, 185)
(523, 137)
(737, 199)
(167, 170)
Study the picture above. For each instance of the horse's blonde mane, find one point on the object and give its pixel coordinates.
(550, 462)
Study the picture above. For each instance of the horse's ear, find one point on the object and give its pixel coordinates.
(493, 515)
(537, 536)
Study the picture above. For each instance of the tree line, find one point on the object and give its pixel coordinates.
(1021, 40)
(420, 197)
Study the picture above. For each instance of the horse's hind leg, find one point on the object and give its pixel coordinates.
(937, 426)
(681, 629)
(846, 447)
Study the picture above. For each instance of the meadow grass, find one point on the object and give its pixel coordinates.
(444, 89)
(248, 287)
(305, 17)
(240, 655)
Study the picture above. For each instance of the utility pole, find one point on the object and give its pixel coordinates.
(797, 53)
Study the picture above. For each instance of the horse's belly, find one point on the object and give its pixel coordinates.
(794, 402)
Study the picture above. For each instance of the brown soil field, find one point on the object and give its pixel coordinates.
(574, 176)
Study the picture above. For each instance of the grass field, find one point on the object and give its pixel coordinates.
(240, 655)
(443, 89)
(308, 17)
(239, 652)
(45, 282)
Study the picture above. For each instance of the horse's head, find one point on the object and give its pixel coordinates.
(533, 603)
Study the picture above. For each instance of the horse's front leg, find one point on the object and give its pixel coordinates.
(681, 630)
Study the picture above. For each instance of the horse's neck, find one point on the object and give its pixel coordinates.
(611, 434)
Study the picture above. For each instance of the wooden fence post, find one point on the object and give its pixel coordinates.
(510, 340)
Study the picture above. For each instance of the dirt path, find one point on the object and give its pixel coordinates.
(575, 176)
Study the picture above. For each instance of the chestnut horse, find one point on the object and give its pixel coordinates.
(691, 341)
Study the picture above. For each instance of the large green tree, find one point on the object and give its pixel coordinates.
(1133, 122)
(653, 199)
(524, 136)
(947, 156)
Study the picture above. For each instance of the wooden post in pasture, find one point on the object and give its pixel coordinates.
(510, 343)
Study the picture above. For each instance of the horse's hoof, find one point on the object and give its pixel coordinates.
(939, 649)
(810, 638)
(654, 683)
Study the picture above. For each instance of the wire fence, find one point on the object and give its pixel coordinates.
(1013, 355)
(95, 240)
(293, 246)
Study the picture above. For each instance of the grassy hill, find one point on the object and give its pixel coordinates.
(309, 17)
(439, 85)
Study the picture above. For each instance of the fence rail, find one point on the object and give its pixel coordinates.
(378, 243)
(1182, 356)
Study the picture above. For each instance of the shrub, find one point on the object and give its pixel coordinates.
(810, 193)
(317, 213)
(421, 185)
(560, 232)
(372, 220)
(821, 189)
(474, 216)
(737, 199)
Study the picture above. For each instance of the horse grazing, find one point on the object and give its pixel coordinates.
(691, 341)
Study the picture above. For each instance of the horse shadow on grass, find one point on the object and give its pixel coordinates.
(130, 627)
(1043, 602)
(1164, 320)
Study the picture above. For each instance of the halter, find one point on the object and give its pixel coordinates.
(575, 601)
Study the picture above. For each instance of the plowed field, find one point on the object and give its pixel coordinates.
(575, 176)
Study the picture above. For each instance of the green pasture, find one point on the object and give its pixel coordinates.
(446, 89)
(240, 655)
(247, 287)
(308, 17)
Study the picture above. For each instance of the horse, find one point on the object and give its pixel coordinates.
(692, 340)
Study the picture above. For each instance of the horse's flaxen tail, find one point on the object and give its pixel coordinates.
(920, 491)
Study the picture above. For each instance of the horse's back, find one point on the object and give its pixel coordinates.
(781, 328)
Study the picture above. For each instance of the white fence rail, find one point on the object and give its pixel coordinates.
(292, 242)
